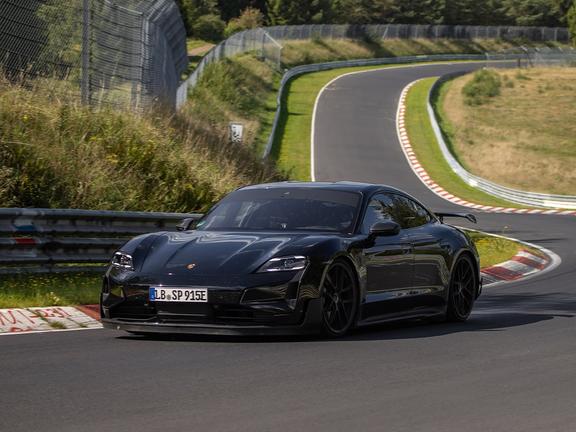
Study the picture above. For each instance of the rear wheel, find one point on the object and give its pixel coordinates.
(339, 299)
(463, 286)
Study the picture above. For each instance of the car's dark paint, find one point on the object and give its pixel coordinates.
(402, 275)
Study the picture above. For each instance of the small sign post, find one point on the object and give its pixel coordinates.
(236, 133)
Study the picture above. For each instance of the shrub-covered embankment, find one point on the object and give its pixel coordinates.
(57, 153)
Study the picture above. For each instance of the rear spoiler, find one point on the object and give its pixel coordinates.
(468, 216)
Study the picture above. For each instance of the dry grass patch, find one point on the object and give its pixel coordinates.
(525, 137)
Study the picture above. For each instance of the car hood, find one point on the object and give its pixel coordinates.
(215, 253)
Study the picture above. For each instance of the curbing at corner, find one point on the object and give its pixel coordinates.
(423, 175)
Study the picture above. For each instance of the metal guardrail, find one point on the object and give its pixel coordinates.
(521, 197)
(299, 70)
(50, 240)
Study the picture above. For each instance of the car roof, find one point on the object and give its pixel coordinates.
(348, 186)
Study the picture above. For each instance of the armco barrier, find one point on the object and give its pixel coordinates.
(45, 240)
(513, 195)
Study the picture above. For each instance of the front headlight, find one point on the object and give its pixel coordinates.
(123, 260)
(288, 263)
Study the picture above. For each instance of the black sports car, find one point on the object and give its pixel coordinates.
(295, 257)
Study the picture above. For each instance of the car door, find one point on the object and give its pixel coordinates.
(389, 264)
(430, 268)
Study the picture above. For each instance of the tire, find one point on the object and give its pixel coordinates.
(462, 292)
(339, 299)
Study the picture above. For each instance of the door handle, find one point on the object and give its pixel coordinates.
(406, 249)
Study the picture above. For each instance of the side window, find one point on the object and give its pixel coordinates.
(378, 210)
(408, 213)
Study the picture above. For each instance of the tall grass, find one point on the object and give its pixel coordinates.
(57, 153)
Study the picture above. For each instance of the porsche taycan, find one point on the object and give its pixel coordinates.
(295, 257)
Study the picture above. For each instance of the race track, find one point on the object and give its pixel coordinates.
(510, 368)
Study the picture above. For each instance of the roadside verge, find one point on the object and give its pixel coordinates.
(529, 261)
(416, 127)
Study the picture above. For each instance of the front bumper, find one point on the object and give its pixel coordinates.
(310, 325)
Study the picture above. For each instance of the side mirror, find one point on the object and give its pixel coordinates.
(382, 229)
(186, 224)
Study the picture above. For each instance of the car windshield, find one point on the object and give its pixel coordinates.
(280, 209)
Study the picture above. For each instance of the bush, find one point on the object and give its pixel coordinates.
(209, 27)
(249, 19)
(571, 19)
(56, 153)
(484, 85)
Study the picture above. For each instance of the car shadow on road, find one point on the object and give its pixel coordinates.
(493, 313)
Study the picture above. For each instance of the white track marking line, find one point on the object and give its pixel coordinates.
(333, 80)
(50, 331)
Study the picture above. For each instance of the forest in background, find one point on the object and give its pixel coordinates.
(215, 19)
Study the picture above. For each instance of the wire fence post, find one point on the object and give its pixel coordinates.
(86, 18)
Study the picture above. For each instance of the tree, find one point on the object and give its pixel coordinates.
(420, 11)
(533, 12)
(571, 20)
(209, 27)
(250, 18)
(193, 9)
(230, 9)
(363, 11)
(284, 12)
(563, 7)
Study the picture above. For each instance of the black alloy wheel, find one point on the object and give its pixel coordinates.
(463, 286)
(339, 299)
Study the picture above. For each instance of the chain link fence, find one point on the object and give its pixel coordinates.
(267, 42)
(415, 31)
(105, 52)
(257, 41)
(537, 57)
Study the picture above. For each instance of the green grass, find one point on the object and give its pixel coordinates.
(241, 89)
(291, 148)
(49, 290)
(428, 151)
(494, 250)
(192, 44)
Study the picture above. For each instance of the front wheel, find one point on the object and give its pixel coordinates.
(339, 296)
(462, 293)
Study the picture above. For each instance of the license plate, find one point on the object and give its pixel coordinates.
(185, 295)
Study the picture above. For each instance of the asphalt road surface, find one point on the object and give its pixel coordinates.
(512, 367)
